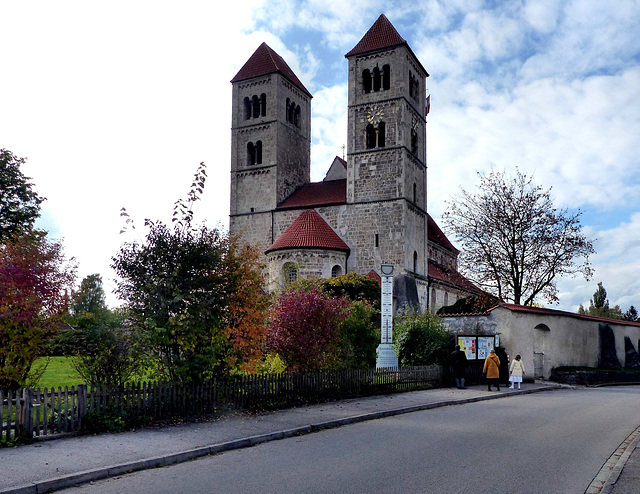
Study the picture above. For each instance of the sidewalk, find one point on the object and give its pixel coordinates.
(56, 464)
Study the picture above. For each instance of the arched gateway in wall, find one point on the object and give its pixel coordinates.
(541, 348)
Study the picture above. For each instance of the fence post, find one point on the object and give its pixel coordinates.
(82, 405)
(25, 415)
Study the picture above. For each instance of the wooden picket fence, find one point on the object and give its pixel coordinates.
(32, 414)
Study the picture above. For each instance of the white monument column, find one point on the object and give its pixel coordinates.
(386, 354)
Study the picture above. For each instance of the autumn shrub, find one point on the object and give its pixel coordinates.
(34, 277)
(304, 329)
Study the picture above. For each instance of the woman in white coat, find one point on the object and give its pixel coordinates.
(516, 371)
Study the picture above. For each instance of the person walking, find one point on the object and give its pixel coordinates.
(491, 370)
(459, 362)
(516, 371)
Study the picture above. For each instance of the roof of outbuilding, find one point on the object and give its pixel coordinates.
(553, 312)
(266, 61)
(309, 231)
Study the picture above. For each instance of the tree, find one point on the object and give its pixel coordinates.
(104, 351)
(515, 242)
(35, 278)
(422, 339)
(246, 327)
(19, 203)
(185, 286)
(631, 314)
(90, 297)
(304, 328)
(599, 305)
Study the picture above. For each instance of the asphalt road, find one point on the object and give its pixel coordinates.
(540, 443)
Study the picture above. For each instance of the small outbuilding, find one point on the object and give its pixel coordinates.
(548, 338)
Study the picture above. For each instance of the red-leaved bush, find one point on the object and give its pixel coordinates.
(304, 329)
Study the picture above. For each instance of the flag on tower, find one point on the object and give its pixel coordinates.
(428, 107)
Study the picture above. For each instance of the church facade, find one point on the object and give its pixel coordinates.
(368, 210)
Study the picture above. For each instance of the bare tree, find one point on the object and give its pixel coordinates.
(515, 243)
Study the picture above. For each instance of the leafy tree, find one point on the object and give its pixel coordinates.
(631, 314)
(19, 203)
(422, 339)
(90, 297)
(599, 305)
(359, 336)
(304, 329)
(355, 286)
(35, 277)
(104, 352)
(515, 242)
(187, 286)
(246, 327)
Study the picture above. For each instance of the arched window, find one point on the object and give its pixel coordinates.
(414, 141)
(256, 106)
(381, 135)
(296, 117)
(290, 272)
(386, 77)
(292, 111)
(251, 154)
(247, 108)
(415, 261)
(415, 196)
(286, 113)
(446, 299)
(336, 271)
(371, 137)
(366, 81)
(263, 104)
(258, 153)
(377, 82)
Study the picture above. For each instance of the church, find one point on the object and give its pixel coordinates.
(368, 210)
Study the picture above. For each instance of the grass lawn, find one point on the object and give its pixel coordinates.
(59, 373)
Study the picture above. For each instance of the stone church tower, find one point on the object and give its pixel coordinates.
(368, 210)
(386, 153)
(270, 142)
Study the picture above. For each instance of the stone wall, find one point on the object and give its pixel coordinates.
(547, 339)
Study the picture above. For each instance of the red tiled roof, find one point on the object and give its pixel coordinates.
(309, 231)
(381, 35)
(266, 61)
(435, 234)
(375, 276)
(317, 194)
(554, 312)
(450, 276)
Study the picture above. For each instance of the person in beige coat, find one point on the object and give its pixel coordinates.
(492, 370)
(516, 371)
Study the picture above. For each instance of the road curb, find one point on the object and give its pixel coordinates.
(101, 473)
(608, 475)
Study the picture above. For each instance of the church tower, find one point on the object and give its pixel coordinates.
(386, 151)
(270, 143)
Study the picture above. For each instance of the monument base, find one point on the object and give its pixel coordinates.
(386, 356)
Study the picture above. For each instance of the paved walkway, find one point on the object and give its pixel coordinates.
(55, 464)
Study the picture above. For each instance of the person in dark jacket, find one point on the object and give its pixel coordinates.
(459, 362)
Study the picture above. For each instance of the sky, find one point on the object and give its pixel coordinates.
(114, 104)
